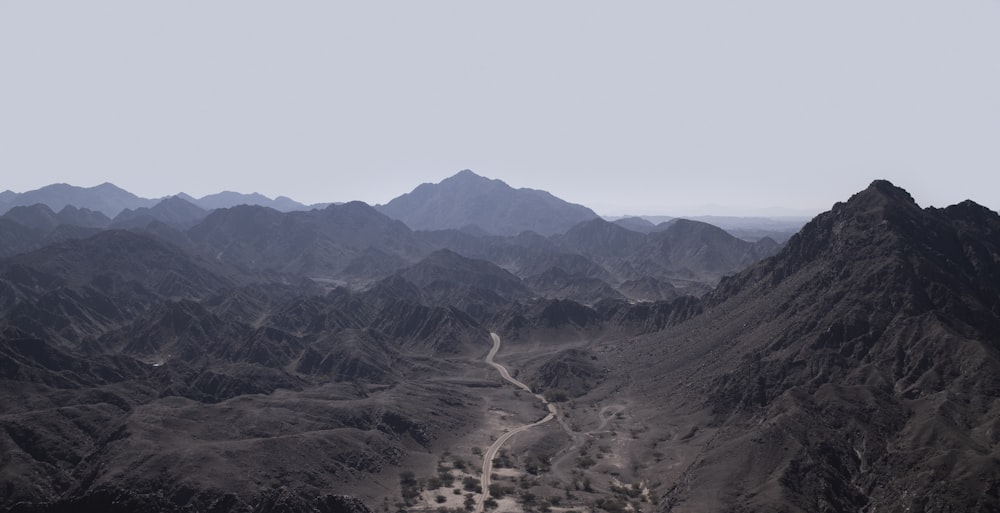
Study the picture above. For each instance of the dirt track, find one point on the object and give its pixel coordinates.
(492, 451)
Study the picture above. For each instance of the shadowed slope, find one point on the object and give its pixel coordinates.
(855, 370)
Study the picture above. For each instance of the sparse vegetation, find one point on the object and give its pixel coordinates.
(498, 490)
(611, 505)
(535, 466)
(471, 484)
(503, 460)
(409, 486)
(556, 396)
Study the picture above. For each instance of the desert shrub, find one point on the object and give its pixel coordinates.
(408, 485)
(471, 484)
(611, 505)
(499, 491)
(556, 396)
(503, 460)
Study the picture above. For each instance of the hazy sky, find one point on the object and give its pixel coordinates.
(638, 107)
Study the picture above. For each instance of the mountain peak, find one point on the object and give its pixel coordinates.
(108, 186)
(468, 173)
(878, 225)
(880, 195)
(467, 198)
(466, 178)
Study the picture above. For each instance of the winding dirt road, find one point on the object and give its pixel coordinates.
(492, 451)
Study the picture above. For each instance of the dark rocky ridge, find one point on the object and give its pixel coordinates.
(856, 365)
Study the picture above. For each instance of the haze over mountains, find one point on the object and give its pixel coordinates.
(177, 356)
(575, 254)
(469, 201)
(111, 200)
(464, 201)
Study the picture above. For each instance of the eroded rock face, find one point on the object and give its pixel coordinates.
(136, 378)
(840, 370)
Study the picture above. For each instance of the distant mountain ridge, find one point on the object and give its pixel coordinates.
(469, 199)
(111, 200)
(465, 201)
(355, 244)
(106, 198)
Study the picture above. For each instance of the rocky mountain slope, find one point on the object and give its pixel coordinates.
(854, 371)
(119, 353)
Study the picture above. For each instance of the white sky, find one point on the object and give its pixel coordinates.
(626, 107)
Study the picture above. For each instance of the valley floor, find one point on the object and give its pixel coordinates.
(589, 458)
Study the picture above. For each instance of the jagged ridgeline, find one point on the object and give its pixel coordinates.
(235, 353)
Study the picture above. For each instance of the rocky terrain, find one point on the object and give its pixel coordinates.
(177, 356)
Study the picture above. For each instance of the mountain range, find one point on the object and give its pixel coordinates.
(111, 200)
(174, 357)
(465, 201)
(355, 244)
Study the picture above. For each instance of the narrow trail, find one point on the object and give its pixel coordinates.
(492, 451)
(580, 438)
